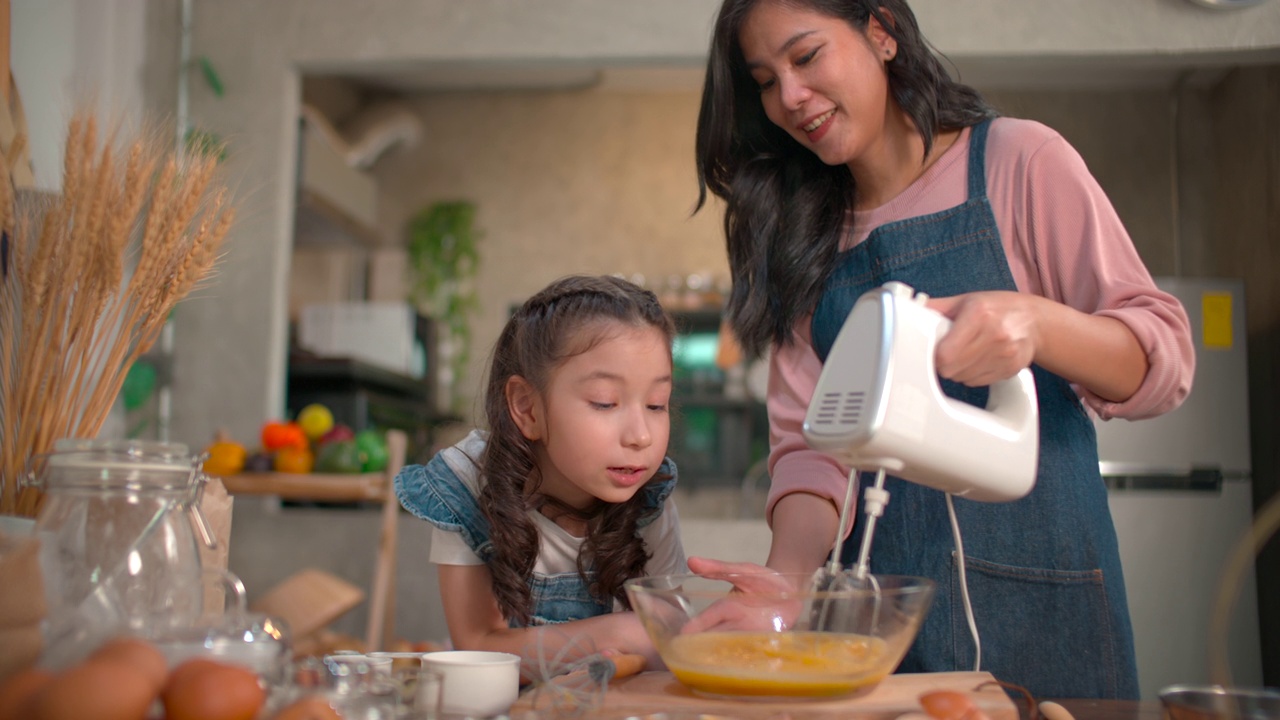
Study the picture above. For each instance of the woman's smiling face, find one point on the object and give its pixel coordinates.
(820, 79)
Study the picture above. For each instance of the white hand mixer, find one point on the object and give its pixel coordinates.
(879, 405)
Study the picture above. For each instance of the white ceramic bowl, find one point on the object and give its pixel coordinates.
(476, 683)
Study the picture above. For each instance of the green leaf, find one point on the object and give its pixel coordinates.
(139, 382)
(444, 256)
(211, 76)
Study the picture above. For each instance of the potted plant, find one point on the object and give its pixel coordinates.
(443, 261)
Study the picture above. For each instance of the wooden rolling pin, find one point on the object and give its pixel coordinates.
(614, 667)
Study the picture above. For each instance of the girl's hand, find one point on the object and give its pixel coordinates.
(993, 335)
(720, 570)
(754, 604)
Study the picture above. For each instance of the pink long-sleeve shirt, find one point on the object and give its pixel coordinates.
(1063, 240)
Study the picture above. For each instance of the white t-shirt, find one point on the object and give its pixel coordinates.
(558, 549)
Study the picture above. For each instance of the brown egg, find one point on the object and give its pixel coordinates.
(202, 689)
(950, 705)
(99, 689)
(18, 693)
(311, 707)
(136, 653)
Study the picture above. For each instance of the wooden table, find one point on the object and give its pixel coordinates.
(659, 696)
(1113, 709)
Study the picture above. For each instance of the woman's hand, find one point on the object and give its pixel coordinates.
(993, 335)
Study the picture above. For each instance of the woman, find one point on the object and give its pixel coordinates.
(847, 157)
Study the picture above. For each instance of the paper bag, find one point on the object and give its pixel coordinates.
(216, 505)
(22, 603)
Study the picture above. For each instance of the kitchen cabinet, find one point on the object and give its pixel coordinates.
(361, 395)
(718, 431)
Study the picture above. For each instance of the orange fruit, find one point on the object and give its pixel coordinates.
(293, 460)
(277, 435)
(225, 458)
(202, 689)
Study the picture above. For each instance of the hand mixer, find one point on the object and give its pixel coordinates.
(878, 404)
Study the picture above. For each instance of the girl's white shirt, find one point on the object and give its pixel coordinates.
(558, 549)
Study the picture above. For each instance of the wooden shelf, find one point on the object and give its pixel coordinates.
(351, 487)
(323, 487)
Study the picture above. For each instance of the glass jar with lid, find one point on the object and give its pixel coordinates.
(118, 528)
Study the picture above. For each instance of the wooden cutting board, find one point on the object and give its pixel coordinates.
(652, 693)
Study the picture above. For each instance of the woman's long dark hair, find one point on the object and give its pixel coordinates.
(785, 208)
(568, 318)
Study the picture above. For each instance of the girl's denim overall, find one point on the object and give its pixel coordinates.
(1043, 572)
(436, 494)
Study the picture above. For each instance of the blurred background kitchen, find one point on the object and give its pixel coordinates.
(563, 130)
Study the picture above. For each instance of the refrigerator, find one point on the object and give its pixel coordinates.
(1179, 487)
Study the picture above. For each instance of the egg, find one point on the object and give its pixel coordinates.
(18, 693)
(99, 689)
(951, 705)
(139, 654)
(311, 707)
(203, 689)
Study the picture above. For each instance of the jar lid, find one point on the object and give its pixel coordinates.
(123, 463)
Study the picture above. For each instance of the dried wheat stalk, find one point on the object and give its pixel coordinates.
(88, 279)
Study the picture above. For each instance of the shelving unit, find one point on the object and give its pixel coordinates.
(362, 396)
(363, 487)
(716, 433)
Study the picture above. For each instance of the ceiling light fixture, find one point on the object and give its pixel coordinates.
(1227, 4)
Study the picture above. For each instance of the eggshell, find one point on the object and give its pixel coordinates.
(137, 653)
(100, 689)
(18, 693)
(202, 689)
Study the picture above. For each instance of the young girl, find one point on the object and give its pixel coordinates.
(542, 519)
(848, 157)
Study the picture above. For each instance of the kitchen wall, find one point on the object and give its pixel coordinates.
(602, 180)
(576, 181)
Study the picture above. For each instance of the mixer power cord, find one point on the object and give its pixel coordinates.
(964, 585)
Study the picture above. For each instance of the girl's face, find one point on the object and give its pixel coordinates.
(603, 422)
(820, 79)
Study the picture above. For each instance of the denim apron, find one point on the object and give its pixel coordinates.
(1043, 572)
(435, 493)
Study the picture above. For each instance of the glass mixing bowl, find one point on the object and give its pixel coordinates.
(778, 635)
(1214, 702)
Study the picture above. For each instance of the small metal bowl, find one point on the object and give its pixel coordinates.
(1214, 702)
